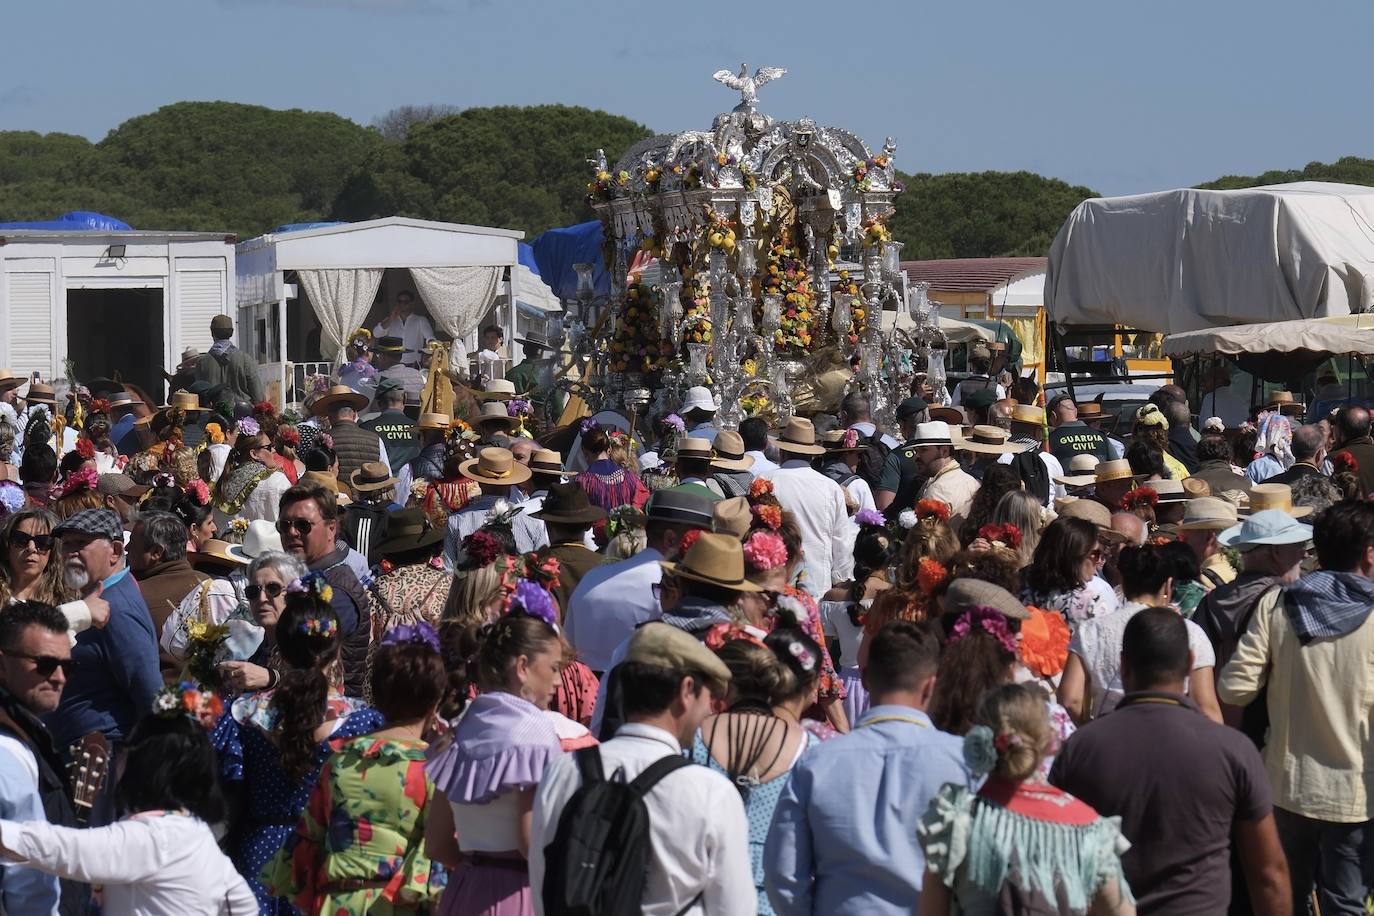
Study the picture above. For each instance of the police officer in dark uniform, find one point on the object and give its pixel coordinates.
(392, 426)
(901, 480)
(1070, 436)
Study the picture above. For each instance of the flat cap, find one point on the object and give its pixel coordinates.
(95, 523)
(662, 646)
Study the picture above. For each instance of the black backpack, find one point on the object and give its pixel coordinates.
(598, 859)
(873, 458)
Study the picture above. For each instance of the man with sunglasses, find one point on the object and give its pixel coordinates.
(35, 656)
(117, 672)
(309, 527)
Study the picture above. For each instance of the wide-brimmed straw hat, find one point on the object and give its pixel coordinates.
(1209, 513)
(498, 389)
(729, 452)
(496, 466)
(964, 594)
(840, 440)
(567, 504)
(798, 437)
(185, 400)
(546, 462)
(409, 529)
(1168, 491)
(1081, 468)
(936, 432)
(1090, 510)
(950, 415)
(215, 554)
(989, 440)
(436, 421)
(41, 393)
(9, 381)
(1266, 528)
(260, 537)
(716, 559)
(1285, 403)
(338, 396)
(1090, 411)
(1116, 469)
(732, 516)
(494, 412)
(1266, 496)
(373, 475)
(694, 448)
(1028, 415)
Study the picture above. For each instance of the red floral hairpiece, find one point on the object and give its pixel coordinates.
(688, 540)
(930, 575)
(1005, 533)
(100, 405)
(481, 548)
(84, 479)
(199, 491)
(761, 486)
(85, 448)
(722, 633)
(264, 407)
(769, 515)
(1141, 496)
(1344, 461)
(932, 508)
(289, 435)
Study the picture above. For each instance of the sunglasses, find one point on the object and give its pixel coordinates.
(42, 542)
(301, 526)
(271, 589)
(1096, 554)
(45, 665)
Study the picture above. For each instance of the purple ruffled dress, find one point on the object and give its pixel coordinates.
(502, 744)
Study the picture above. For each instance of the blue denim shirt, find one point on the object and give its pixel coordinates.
(22, 890)
(843, 839)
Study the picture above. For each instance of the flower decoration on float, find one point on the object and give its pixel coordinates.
(636, 344)
(755, 405)
(189, 699)
(876, 231)
(788, 278)
(988, 620)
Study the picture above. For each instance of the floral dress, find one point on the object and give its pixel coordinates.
(272, 800)
(360, 845)
(1076, 605)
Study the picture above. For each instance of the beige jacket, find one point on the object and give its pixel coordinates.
(1321, 700)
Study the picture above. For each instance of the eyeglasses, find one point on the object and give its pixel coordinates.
(1096, 554)
(301, 526)
(41, 542)
(45, 665)
(272, 589)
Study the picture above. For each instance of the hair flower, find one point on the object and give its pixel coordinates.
(764, 551)
(418, 632)
(1342, 462)
(907, 519)
(676, 422)
(313, 584)
(533, 599)
(1140, 497)
(289, 435)
(932, 508)
(198, 491)
(480, 549)
(722, 633)
(930, 575)
(1044, 647)
(190, 699)
(85, 448)
(84, 479)
(870, 517)
(761, 486)
(247, 427)
(688, 539)
(264, 407)
(770, 516)
(215, 433)
(980, 752)
(12, 497)
(587, 425)
(990, 621)
(1006, 534)
(100, 405)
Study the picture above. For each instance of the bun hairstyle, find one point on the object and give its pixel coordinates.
(873, 552)
(785, 665)
(407, 679)
(308, 639)
(502, 642)
(595, 440)
(1020, 725)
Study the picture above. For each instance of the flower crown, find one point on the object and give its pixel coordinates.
(189, 699)
(990, 621)
(1005, 533)
(722, 633)
(419, 632)
(1140, 497)
(199, 492)
(764, 551)
(312, 584)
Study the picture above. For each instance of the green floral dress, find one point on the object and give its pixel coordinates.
(360, 845)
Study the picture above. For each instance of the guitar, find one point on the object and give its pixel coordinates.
(89, 766)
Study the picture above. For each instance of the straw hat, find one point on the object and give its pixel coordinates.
(184, 400)
(1169, 491)
(1266, 496)
(439, 421)
(716, 559)
(215, 554)
(798, 437)
(729, 452)
(41, 393)
(732, 516)
(9, 381)
(373, 475)
(494, 412)
(834, 441)
(1090, 411)
(694, 448)
(936, 432)
(989, 440)
(498, 389)
(1118, 469)
(1028, 415)
(547, 463)
(495, 466)
(260, 537)
(1196, 487)
(338, 396)
(1285, 403)
(567, 504)
(1208, 513)
(1270, 527)
(1081, 471)
(1090, 510)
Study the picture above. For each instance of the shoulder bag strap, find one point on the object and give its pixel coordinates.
(660, 768)
(589, 765)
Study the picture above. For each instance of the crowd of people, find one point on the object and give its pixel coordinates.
(1008, 657)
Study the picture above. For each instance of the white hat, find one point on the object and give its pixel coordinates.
(699, 397)
(1270, 526)
(936, 432)
(1081, 471)
(650, 461)
(260, 537)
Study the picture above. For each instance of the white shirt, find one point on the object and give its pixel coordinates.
(263, 503)
(1097, 642)
(609, 603)
(530, 533)
(415, 332)
(698, 831)
(862, 494)
(835, 622)
(149, 865)
(761, 463)
(819, 506)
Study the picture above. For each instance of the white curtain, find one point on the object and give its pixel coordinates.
(457, 298)
(342, 298)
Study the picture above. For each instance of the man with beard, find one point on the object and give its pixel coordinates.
(116, 667)
(35, 656)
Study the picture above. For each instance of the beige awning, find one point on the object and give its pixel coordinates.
(1338, 336)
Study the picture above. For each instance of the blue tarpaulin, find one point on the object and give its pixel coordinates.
(301, 227)
(557, 250)
(75, 221)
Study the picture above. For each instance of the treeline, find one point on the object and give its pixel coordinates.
(247, 169)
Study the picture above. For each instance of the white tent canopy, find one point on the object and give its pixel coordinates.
(1190, 259)
(1341, 336)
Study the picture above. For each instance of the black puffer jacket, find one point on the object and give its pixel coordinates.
(355, 617)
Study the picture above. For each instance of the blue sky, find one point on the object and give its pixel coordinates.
(1121, 96)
